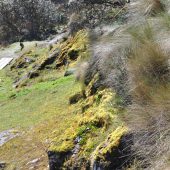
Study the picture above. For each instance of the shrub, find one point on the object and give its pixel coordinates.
(148, 117)
(149, 65)
(91, 13)
(29, 19)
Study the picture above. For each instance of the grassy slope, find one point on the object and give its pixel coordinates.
(35, 112)
(37, 109)
(43, 117)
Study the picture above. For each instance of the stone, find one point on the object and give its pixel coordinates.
(2, 165)
(74, 99)
(28, 60)
(35, 161)
(56, 159)
(77, 140)
(76, 149)
(70, 72)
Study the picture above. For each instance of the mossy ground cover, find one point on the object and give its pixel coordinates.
(92, 128)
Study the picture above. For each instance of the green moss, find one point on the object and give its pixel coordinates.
(90, 146)
(91, 127)
(64, 147)
(110, 143)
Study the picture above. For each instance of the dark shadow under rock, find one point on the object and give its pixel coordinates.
(73, 54)
(116, 159)
(49, 60)
(74, 99)
(56, 159)
(119, 158)
(69, 72)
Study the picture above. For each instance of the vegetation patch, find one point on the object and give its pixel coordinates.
(84, 135)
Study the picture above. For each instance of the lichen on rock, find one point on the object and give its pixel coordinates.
(82, 142)
(109, 144)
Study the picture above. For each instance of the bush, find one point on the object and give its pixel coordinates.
(29, 19)
(149, 65)
(148, 116)
(91, 13)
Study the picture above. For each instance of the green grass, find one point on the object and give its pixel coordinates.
(5, 86)
(32, 105)
(35, 111)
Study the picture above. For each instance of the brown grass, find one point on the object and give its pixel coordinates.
(148, 65)
(149, 115)
(153, 7)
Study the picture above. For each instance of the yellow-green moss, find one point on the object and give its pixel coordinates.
(90, 85)
(77, 43)
(64, 142)
(110, 143)
(101, 111)
(80, 41)
(64, 147)
(100, 114)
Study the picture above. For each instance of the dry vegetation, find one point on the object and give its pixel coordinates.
(148, 116)
(142, 71)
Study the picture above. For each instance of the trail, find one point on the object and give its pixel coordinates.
(7, 54)
(12, 52)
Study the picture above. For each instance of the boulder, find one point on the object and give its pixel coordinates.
(2, 165)
(74, 99)
(70, 72)
(56, 159)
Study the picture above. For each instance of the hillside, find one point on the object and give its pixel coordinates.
(94, 95)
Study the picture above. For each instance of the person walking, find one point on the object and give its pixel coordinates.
(21, 43)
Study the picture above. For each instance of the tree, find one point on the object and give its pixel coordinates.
(29, 19)
(93, 12)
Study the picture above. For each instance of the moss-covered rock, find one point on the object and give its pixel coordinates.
(109, 144)
(73, 48)
(60, 56)
(115, 152)
(82, 141)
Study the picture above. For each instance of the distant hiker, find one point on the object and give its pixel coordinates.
(21, 43)
(66, 62)
(50, 46)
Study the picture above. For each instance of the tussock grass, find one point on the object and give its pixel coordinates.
(153, 7)
(148, 64)
(150, 69)
(148, 116)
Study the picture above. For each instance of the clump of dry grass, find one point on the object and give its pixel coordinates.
(149, 114)
(153, 7)
(148, 65)
(150, 126)
(139, 11)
